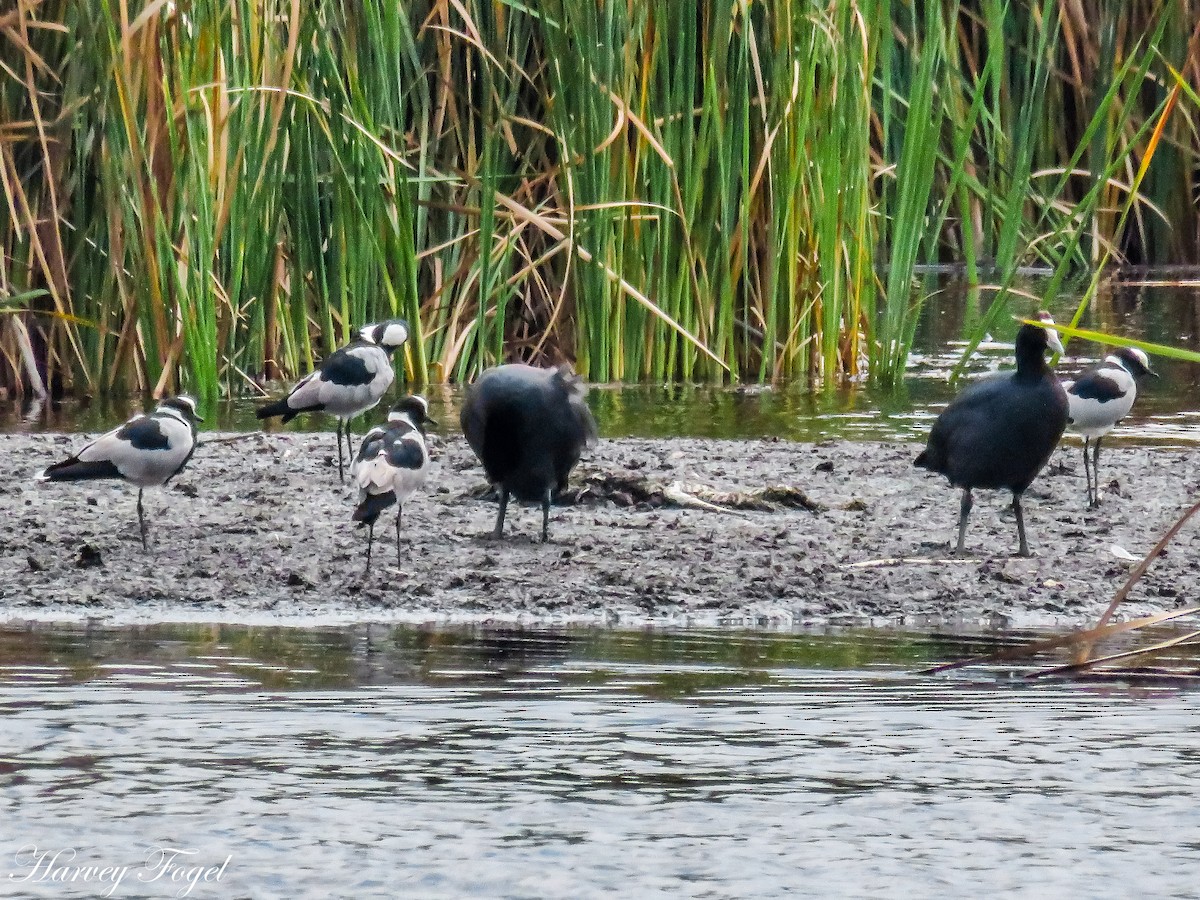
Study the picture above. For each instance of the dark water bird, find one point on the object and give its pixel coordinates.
(1000, 432)
(1100, 398)
(391, 466)
(148, 450)
(350, 381)
(528, 426)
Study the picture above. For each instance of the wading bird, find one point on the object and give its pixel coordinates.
(1099, 399)
(528, 426)
(1000, 433)
(351, 381)
(391, 466)
(148, 450)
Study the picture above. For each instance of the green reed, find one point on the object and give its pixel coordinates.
(212, 194)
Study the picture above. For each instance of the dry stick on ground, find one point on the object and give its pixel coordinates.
(1141, 567)
(1024, 651)
(640, 489)
(1085, 649)
(1184, 640)
(1101, 630)
(235, 438)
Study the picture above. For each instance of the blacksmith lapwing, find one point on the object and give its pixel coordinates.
(351, 381)
(1100, 398)
(391, 466)
(1001, 432)
(528, 426)
(148, 450)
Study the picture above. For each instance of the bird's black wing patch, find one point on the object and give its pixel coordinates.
(372, 445)
(346, 368)
(405, 454)
(1096, 386)
(144, 433)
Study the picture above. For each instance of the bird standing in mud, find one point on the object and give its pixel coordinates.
(1001, 432)
(148, 450)
(528, 426)
(391, 466)
(1099, 399)
(351, 381)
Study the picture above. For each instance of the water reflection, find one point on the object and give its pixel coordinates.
(398, 761)
(1166, 411)
(208, 657)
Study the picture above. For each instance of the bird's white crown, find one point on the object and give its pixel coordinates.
(388, 335)
(1136, 352)
(405, 408)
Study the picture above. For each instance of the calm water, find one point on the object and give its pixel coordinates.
(397, 762)
(1167, 411)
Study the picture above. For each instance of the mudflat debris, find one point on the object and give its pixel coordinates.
(669, 532)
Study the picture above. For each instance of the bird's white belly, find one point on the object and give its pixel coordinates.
(345, 401)
(1093, 419)
(406, 482)
(151, 468)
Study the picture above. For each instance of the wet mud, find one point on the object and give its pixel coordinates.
(680, 532)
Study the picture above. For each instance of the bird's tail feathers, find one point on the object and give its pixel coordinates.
(278, 408)
(371, 505)
(78, 470)
(569, 381)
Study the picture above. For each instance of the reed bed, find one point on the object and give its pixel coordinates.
(210, 194)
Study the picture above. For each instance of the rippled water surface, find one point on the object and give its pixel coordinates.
(398, 762)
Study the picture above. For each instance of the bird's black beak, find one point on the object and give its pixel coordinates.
(433, 422)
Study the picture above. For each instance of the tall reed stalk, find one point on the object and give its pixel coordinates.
(215, 193)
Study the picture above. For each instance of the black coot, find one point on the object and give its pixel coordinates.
(528, 426)
(1000, 433)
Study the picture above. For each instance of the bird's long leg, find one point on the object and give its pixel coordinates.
(1087, 469)
(399, 512)
(546, 516)
(142, 519)
(370, 541)
(349, 446)
(499, 529)
(1096, 473)
(341, 473)
(1016, 505)
(964, 510)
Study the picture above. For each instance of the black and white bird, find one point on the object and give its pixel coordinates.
(148, 450)
(392, 465)
(1100, 398)
(351, 381)
(528, 426)
(1000, 432)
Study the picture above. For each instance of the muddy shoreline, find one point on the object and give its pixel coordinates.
(257, 530)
